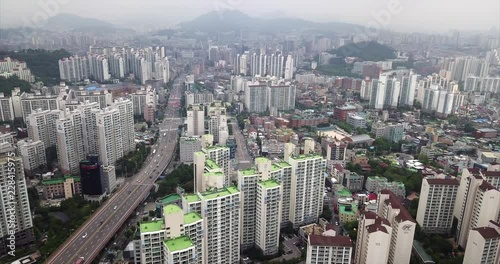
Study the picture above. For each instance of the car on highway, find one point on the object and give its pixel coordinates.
(84, 236)
(115, 207)
(80, 260)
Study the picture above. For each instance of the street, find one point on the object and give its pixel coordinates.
(88, 240)
(242, 155)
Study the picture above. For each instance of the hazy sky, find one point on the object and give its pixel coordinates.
(411, 15)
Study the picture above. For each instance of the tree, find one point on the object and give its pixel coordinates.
(469, 128)
(423, 158)
(143, 129)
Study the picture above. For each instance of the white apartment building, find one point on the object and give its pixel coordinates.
(220, 155)
(18, 203)
(268, 216)
(71, 142)
(198, 98)
(403, 226)
(125, 107)
(110, 136)
(373, 240)
(221, 213)
(32, 154)
(307, 185)
(281, 97)
(108, 175)
(217, 123)
(89, 112)
(436, 204)
(31, 103)
(329, 249)
(100, 96)
(6, 108)
(195, 120)
(9, 67)
(377, 96)
(356, 121)
(42, 126)
(256, 98)
(478, 203)
(74, 68)
(152, 237)
(188, 146)
(483, 245)
(7, 137)
(247, 184)
(179, 250)
(143, 97)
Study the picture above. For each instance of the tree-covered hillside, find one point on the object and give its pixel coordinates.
(367, 51)
(8, 84)
(44, 64)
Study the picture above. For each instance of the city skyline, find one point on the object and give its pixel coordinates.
(391, 15)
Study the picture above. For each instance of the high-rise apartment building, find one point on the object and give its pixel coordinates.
(373, 240)
(71, 141)
(268, 215)
(307, 183)
(217, 123)
(256, 99)
(110, 136)
(141, 98)
(91, 95)
(478, 203)
(289, 68)
(6, 108)
(195, 120)
(32, 154)
(26, 103)
(483, 245)
(221, 213)
(90, 177)
(402, 224)
(377, 96)
(89, 112)
(188, 146)
(281, 97)
(329, 249)
(15, 207)
(125, 107)
(219, 156)
(42, 126)
(436, 204)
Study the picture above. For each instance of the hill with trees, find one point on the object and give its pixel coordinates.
(44, 64)
(366, 50)
(8, 84)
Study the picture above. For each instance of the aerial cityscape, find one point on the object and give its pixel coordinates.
(226, 131)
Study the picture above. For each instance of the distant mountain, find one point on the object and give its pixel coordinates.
(231, 20)
(366, 50)
(73, 22)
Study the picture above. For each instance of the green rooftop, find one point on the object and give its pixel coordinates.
(354, 210)
(172, 198)
(344, 193)
(248, 172)
(305, 157)
(215, 147)
(60, 180)
(191, 218)
(261, 159)
(275, 167)
(284, 164)
(154, 226)
(178, 244)
(215, 174)
(192, 198)
(220, 193)
(269, 184)
(211, 164)
(171, 209)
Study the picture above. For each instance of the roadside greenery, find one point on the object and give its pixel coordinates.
(182, 176)
(133, 161)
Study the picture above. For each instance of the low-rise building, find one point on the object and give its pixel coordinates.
(66, 187)
(356, 121)
(348, 213)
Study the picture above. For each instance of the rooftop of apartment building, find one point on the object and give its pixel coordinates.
(191, 218)
(348, 209)
(171, 209)
(220, 193)
(179, 243)
(394, 201)
(153, 226)
(192, 197)
(172, 198)
(269, 184)
(319, 240)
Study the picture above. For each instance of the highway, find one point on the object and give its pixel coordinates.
(90, 238)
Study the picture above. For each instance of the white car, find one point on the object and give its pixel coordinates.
(115, 207)
(84, 236)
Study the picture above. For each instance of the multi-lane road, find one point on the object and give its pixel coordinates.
(88, 240)
(242, 155)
